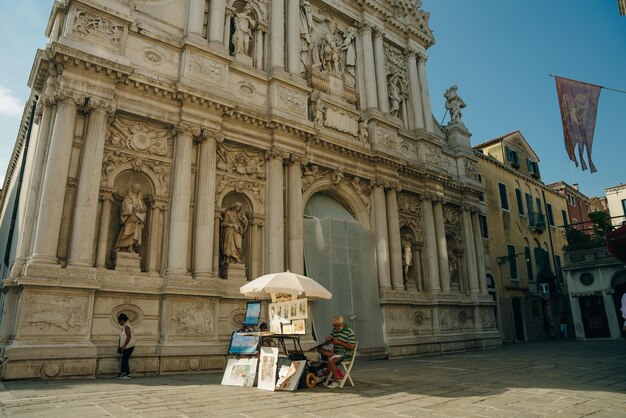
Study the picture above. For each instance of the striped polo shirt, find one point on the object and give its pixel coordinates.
(347, 336)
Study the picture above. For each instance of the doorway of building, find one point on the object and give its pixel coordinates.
(593, 317)
(518, 319)
(339, 254)
(618, 284)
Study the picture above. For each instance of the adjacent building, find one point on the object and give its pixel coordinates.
(520, 225)
(578, 205)
(174, 150)
(616, 203)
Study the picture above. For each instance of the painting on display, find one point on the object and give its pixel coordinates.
(297, 326)
(289, 375)
(267, 368)
(243, 344)
(240, 372)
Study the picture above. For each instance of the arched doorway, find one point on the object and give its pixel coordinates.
(339, 254)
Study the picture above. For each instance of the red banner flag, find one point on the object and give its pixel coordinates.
(579, 106)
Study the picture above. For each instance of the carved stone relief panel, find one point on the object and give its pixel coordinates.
(386, 137)
(432, 155)
(139, 136)
(237, 161)
(205, 70)
(452, 215)
(115, 161)
(400, 319)
(342, 121)
(192, 318)
(255, 189)
(103, 31)
(291, 101)
(54, 314)
(471, 169)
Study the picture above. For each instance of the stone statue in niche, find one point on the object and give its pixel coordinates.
(244, 23)
(454, 104)
(329, 51)
(363, 132)
(407, 256)
(306, 33)
(234, 225)
(133, 218)
(348, 46)
(395, 94)
(453, 262)
(319, 112)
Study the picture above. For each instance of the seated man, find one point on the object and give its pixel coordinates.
(343, 341)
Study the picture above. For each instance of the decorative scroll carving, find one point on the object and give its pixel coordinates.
(240, 185)
(433, 155)
(310, 175)
(138, 136)
(98, 28)
(113, 159)
(292, 100)
(238, 161)
(409, 205)
(386, 137)
(452, 216)
(363, 190)
(211, 69)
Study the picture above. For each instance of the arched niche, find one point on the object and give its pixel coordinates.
(120, 186)
(409, 264)
(247, 208)
(344, 194)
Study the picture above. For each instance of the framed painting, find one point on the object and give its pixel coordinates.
(289, 376)
(267, 368)
(243, 344)
(297, 326)
(240, 372)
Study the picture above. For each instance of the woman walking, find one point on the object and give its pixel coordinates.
(126, 345)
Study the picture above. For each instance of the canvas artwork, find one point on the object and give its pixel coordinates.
(293, 310)
(285, 311)
(289, 376)
(282, 297)
(243, 344)
(287, 329)
(302, 309)
(240, 372)
(267, 368)
(297, 326)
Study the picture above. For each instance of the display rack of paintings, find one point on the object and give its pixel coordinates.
(287, 316)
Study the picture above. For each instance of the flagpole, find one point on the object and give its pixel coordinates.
(602, 87)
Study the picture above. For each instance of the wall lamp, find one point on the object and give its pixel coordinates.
(507, 258)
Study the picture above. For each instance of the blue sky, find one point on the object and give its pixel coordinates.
(498, 52)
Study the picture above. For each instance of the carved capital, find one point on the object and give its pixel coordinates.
(275, 153)
(410, 54)
(69, 96)
(101, 105)
(377, 32)
(364, 27)
(186, 129)
(106, 194)
(379, 182)
(210, 134)
(422, 57)
(296, 159)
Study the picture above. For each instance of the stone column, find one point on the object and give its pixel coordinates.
(415, 90)
(295, 213)
(217, 16)
(395, 241)
(275, 210)
(470, 250)
(381, 235)
(86, 208)
(205, 206)
(228, 17)
(430, 244)
(417, 270)
(368, 59)
(256, 239)
(195, 16)
(421, 69)
(480, 253)
(103, 233)
(52, 196)
(216, 243)
(381, 72)
(179, 202)
(43, 117)
(277, 34)
(293, 36)
(154, 234)
(442, 247)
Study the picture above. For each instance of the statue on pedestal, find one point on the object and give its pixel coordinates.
(395, 94)
(133, 217)
(454, 104)
(407, 256)
(244, 22)
(234, 224)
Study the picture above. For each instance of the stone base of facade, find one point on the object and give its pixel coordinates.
(129, 262)
(233, 272)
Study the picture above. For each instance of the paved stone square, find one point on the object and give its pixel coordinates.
(556, 378)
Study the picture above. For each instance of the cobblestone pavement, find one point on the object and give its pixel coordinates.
(557, 379)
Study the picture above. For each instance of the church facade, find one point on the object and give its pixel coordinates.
(174, 150)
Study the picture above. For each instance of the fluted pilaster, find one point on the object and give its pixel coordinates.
(415, 91)
(275, 209)
(371, 97)
(295, 212)
(421, 70)
(277, 34)
(381, 235)
(395, 247)
(430, 245)
(442, 247)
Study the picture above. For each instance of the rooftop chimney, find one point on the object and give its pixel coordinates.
(575, 186)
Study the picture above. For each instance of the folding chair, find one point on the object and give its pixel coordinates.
(346, 369)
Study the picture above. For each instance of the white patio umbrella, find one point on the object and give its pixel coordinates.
(285, 282)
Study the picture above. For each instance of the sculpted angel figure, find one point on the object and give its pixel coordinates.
(454, 104)
(234, 224)
(244, 22)
(133, 217)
